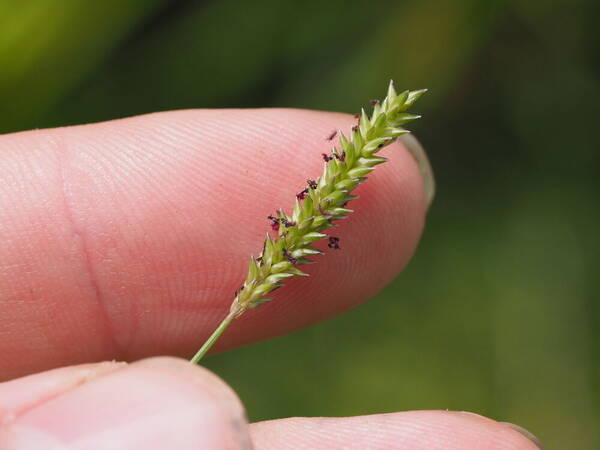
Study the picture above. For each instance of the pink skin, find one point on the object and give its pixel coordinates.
(128, 238)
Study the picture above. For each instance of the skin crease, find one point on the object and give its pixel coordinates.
(128, 238)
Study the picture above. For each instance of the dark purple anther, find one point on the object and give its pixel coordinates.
(332, 135)
(275, 223)
(302, 194)
(334, 243)
(287, 223)
(312, 184)
(289, 257)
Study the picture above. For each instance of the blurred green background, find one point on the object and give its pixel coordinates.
(498, 312)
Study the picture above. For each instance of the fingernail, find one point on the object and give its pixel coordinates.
(525, 433)
(417, 151)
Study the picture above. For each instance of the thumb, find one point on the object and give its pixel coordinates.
(152, 404)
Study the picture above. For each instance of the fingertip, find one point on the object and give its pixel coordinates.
(507, 432)
(417, 430)
(152, 219)
(154, 404)
(528, 434)
(199, 376)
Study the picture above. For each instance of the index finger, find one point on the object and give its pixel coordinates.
(128, 238)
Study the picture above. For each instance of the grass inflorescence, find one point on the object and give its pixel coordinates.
(319, 204)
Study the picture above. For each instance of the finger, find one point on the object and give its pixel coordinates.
(129, 238)
(414, 430)
(153, 404)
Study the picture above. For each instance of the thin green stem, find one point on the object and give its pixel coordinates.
(213, 338)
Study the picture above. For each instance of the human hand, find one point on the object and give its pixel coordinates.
(127, 239)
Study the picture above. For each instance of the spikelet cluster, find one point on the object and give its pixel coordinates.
(323, 201)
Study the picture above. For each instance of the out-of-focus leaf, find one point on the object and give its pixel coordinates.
(203, 55)
(418, 44)
(48, 46)
(222, 54)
